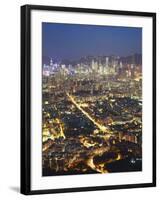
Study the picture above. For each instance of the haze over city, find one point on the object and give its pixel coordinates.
(91, 99)
(73, 41)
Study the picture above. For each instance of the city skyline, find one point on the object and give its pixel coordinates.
(73, 41)
(92, 107)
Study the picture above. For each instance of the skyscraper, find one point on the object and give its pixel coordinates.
(107, 61)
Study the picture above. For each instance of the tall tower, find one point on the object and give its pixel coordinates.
(51, 62)
(92, 64)
(120, 69)
(121, 65)
(132, 70)
(107, 61)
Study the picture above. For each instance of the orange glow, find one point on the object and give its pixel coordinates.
(101, 127)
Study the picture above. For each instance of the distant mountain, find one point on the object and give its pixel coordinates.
(133, 59)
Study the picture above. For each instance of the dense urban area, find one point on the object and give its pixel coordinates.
(92, 115)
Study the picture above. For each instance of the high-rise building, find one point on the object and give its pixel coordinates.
(121, 65)
(51, 62)
(94, 66)
(107, 61)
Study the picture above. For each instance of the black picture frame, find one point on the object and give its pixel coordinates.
(26, 98)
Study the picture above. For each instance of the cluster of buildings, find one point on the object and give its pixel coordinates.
(87, 106)
(111, 66)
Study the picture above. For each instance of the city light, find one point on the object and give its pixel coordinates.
(101, 127)
(92, 116)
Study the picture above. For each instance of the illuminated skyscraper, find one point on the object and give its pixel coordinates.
(92, 64)
(51, 62)
(121, 65)
(107, 61)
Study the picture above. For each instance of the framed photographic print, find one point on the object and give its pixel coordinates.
(88, 99)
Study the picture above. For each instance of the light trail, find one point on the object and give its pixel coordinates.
(119, 156)
(98, 167)
(46, 147)
(60, 125)
(101, 127)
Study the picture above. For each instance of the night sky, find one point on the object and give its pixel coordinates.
(73, 41)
